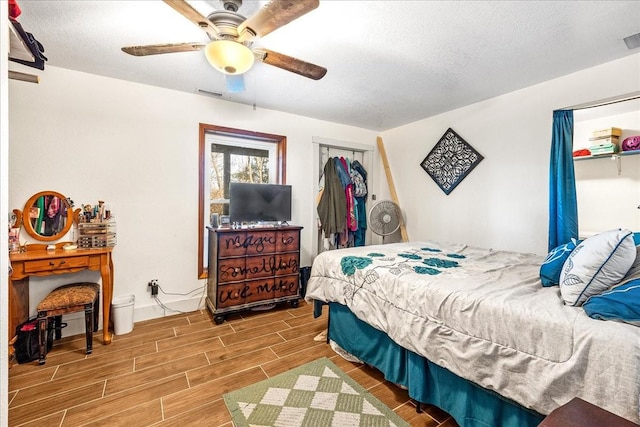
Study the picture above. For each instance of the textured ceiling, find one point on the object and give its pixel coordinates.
(389, 62)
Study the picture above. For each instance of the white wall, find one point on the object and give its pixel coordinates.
(606, 199)
(136, 147)
(503, 202)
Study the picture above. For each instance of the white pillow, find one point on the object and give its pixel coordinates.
(596, 264)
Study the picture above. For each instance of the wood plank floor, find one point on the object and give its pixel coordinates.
(174, 370)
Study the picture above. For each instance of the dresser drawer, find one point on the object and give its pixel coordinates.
(231, 295)
(252, 291)
(287, 286)
(260, 290)
(260, 242)
(260, 266)
(231, 244)
(231, 270)
(268, 289)
(288, 241)
(56, 264)
(247, 243)
(271, 265)
(286, 264)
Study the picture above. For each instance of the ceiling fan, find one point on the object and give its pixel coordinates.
(232, 35)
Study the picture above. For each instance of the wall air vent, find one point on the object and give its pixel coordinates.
(632, 42)
(208, 92)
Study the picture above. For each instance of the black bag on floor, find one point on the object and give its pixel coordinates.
(305, 273)
(27, 347)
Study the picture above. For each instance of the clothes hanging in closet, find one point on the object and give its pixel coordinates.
(359, 178)
(332, 207)
(342, 203)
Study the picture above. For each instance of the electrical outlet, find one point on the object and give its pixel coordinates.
(153, 284)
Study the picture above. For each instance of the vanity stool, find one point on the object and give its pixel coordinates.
(66, 299)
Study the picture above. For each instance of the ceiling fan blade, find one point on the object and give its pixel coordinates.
(156, 49)
(274, 15)
(186, 10)
(289, 63)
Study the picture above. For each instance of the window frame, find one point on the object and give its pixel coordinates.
(207, 129)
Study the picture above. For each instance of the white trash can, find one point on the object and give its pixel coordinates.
(122, 314)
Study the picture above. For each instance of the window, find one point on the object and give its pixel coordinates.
(236, 160)
(232, 155)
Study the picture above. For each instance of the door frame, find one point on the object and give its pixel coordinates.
(367, 151)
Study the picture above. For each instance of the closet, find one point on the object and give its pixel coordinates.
(325, 150)
(607, 186)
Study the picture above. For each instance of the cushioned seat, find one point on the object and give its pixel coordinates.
(69, 299)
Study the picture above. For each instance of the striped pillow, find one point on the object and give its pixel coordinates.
(596, 264)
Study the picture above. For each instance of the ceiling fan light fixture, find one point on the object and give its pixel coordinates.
(229, 57)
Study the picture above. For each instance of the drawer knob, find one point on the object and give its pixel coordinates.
(236, 295)
(51, 264)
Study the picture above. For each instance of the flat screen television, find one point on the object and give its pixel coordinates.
(259, 202)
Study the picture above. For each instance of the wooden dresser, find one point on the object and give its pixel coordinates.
(252, 267)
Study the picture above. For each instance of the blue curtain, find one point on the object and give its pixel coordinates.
(563, 203)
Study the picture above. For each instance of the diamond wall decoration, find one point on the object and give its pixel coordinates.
(450, 161)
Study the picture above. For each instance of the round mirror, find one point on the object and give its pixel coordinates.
(47, 216)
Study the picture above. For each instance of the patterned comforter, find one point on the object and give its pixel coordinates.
(484, 315)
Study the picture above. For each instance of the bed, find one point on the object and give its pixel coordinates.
(474, 332)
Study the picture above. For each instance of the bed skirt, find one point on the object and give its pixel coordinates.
(426, 382)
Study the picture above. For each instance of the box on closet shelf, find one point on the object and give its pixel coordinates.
(605, 141)
(603, 133)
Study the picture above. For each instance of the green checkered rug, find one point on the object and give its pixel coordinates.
(317, 394)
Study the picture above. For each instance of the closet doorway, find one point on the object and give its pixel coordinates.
(324, 149)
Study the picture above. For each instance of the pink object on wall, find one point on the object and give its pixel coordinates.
(631, 143)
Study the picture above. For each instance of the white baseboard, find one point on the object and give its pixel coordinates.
(154, 311)
(75, 321)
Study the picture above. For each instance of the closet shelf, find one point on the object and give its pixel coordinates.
(617, 158)
(608, 156)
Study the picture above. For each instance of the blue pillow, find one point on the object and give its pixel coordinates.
(552, 265)
(620, 303)
(636, 238)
